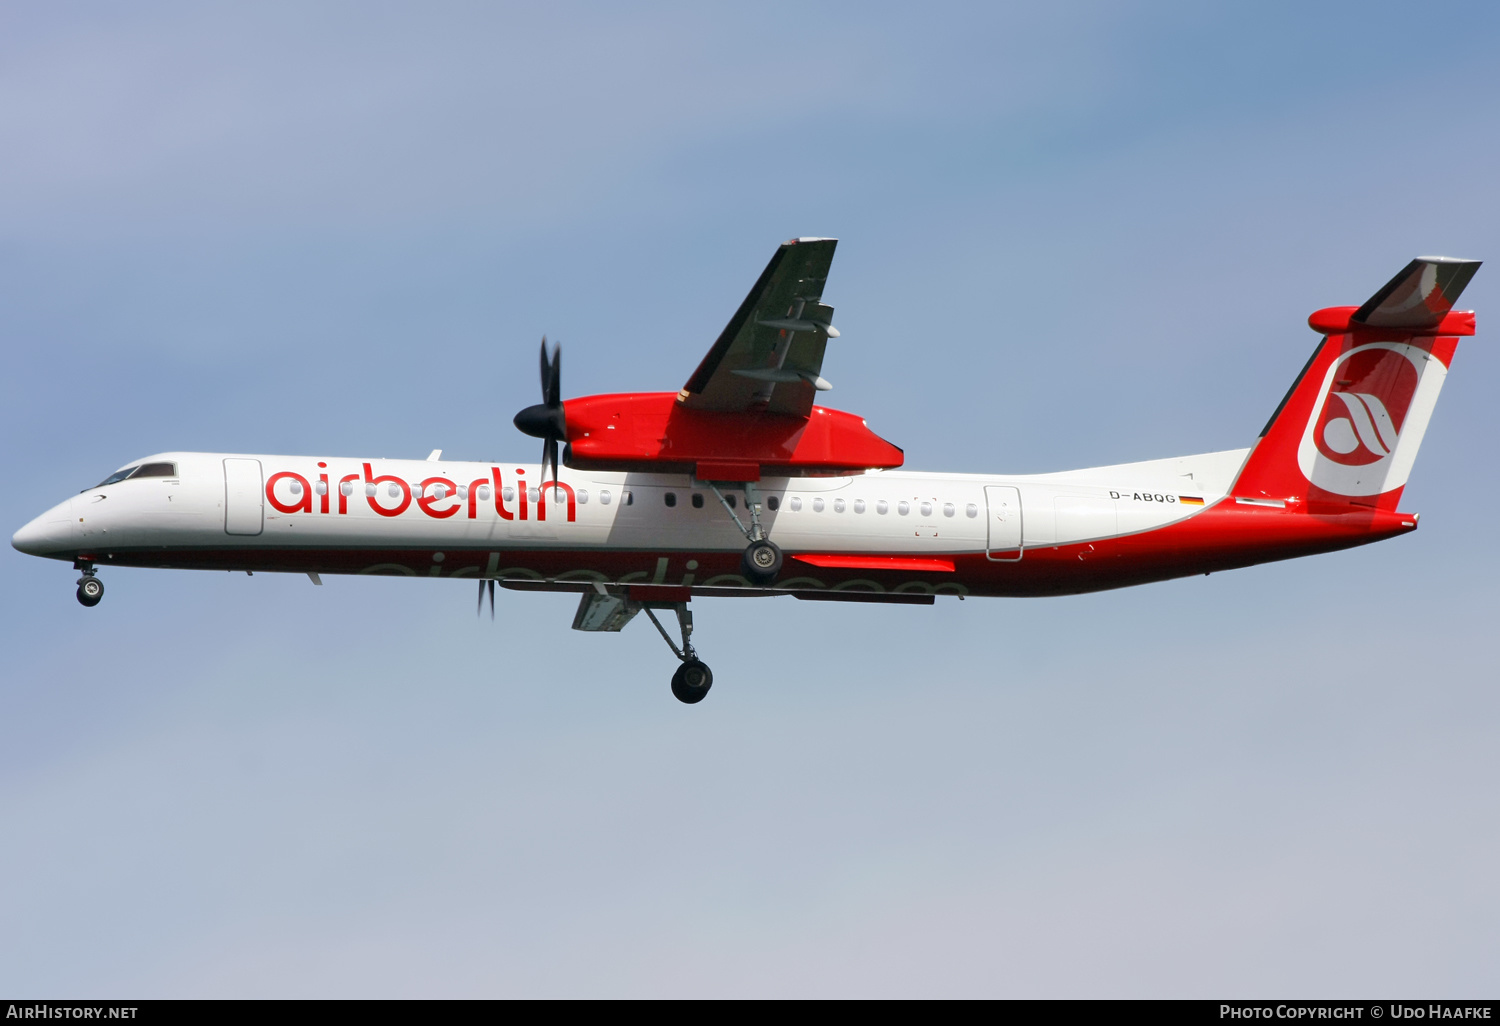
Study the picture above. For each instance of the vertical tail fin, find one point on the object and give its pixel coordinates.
(1348, 431)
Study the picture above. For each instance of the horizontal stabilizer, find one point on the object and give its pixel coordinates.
(1420, 296)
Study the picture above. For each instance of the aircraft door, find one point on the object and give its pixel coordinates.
(1004, 541)
(244, 505)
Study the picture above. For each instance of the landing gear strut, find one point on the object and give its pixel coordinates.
(90, 588)
(762, 560)
(693, 678)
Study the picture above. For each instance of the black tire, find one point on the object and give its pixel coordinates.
(691, 682)
(761, 562)
(90, 591)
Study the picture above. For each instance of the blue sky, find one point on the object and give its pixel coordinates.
(1071, 235)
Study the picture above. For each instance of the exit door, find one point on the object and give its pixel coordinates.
(244, 511)
(1004, 543)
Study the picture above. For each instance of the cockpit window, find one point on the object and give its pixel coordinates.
(117, 476)
(140, 470)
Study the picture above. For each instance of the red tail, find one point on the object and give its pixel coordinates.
(1347, 433)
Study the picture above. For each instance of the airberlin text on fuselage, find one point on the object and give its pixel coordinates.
(438, 497)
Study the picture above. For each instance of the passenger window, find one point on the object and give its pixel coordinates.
(370, 491)
(927, 509)
(697, 500)
(671, 498)
(346, 488)
(533, 494)
(859, 505)
(604, 496)
(971, 511)
(838, 505)
(626, 497)
(818, 505)
(882, 507)
(773, 503)
(156, 470)
(583, 496)
(903, 507)
(321, 487)
(484, 492)
(948, 509)
(295, 487)
(508, 494)
(796, 503)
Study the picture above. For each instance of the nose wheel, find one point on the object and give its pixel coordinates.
(90, 589)
(693, 678)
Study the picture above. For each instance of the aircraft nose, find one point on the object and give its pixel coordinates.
(50, 533)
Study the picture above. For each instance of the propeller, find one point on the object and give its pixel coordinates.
(480, 608)
(546, 419)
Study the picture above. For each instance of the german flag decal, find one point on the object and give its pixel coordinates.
(1190, 500)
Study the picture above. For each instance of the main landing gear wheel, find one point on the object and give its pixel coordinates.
(762, 561)
(691, 682)
(90, 590)
(693, 678)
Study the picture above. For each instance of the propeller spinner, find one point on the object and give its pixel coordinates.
(546, 419)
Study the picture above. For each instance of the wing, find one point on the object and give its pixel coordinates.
(1420, 296)
(770, 356)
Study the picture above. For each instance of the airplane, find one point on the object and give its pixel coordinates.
(740, 485)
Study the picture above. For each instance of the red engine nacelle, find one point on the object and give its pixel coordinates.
(653, 431)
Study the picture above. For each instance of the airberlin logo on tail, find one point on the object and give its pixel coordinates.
(1362, 414)
(1369, 418)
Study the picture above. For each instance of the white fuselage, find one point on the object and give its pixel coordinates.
(296, 504)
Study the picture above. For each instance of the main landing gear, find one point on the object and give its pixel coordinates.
(90, 588)
(761, 562)
(693, 678)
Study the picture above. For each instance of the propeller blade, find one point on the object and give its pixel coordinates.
(547, 419)
(553, 392)
(480, 607)
(492, 599)
(546, 371)
(549, 459)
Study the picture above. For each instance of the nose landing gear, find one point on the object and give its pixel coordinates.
(90, 588)
(693, 678)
